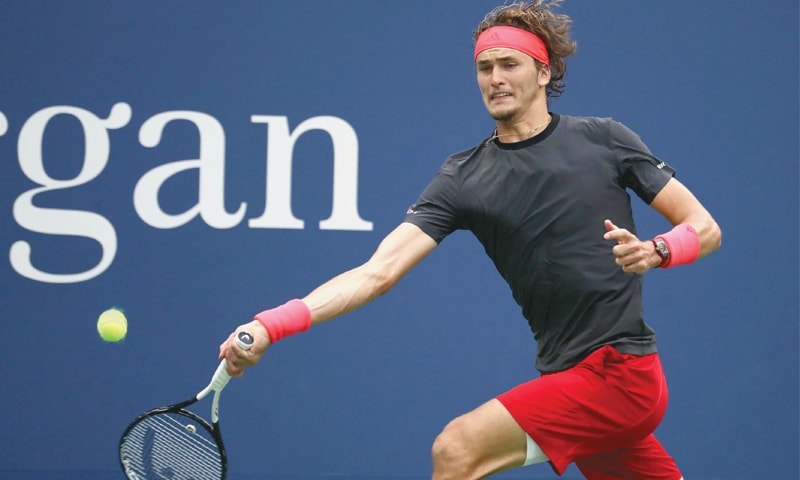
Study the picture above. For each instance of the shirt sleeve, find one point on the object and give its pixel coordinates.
(435, 212)
(641, 171)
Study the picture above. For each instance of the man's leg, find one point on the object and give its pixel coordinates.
(482, 442)
(642, 460)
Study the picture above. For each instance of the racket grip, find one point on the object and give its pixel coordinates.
(221, 378)
(244, 339)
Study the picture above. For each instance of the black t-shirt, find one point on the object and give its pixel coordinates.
(537, 207)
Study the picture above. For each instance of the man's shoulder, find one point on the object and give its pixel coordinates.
(585, 121)
(455, 160)
(595, 129)
(464, 153)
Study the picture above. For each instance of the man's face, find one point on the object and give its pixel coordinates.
(509, 83)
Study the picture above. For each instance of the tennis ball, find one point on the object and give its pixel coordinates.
(112, 325)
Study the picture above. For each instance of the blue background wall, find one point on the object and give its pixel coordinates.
(712, 87)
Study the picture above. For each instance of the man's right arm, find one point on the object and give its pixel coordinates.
(398, 253)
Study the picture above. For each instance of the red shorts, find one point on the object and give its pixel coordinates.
(600, 414)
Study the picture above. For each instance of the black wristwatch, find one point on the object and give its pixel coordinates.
(662, 249)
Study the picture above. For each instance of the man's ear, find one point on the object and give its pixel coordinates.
(544, 75)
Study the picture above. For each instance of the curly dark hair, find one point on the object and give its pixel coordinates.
(538, 18)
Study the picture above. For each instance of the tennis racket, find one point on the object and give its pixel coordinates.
(171, 443)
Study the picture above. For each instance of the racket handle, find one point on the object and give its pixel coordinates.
(244, 339)
(221, 378)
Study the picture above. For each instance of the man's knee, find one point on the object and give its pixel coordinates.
(478, 444)
(451, 451)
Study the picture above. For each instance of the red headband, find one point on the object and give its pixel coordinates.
(512, 37)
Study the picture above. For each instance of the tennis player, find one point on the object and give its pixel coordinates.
(546, 196)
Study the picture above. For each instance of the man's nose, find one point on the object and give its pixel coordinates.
(497, 77)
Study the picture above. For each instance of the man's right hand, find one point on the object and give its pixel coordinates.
(239, 359)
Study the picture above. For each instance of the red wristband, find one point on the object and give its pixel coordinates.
(290, 318)
(683, 243)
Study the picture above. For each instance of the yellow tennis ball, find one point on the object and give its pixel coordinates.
(112, 325)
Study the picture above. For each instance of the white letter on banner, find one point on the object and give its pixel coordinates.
(278, 207)
(211, 166)
(54, 221)
(3, 124)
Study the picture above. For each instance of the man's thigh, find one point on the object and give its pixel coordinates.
(607, 401)
(488, 438)
(643, 460)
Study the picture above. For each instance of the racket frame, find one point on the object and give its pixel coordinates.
(180, 409)
(217, 384)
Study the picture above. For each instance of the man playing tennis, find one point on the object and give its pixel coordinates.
(546, 196)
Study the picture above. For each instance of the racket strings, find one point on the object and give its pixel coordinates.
(171, 446)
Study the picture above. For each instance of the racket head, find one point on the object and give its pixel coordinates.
(170, 442)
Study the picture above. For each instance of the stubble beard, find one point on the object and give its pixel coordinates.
(503, 116)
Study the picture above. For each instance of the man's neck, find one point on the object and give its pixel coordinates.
(523, 130)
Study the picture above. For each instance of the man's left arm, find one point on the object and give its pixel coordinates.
(695, 235)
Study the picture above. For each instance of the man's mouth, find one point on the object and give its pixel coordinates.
(500, 95)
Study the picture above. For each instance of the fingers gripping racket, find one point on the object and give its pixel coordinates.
(171, 443)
